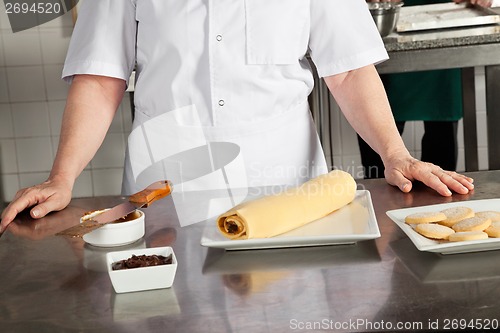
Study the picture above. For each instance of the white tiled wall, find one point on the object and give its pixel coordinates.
(32, 99)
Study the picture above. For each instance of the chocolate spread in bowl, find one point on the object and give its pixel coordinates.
(132, 216)
(142, 261)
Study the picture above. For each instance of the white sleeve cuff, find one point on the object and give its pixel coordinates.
(94, 68)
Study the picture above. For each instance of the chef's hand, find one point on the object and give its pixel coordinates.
(26, 227)
(401, 172)
(52, 195)
(482, 3)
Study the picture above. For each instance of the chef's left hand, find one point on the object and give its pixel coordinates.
(401, 172)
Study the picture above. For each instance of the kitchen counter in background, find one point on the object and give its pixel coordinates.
(442, 38)
(55, 284)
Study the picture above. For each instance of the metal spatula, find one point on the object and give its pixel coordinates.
(144, 198)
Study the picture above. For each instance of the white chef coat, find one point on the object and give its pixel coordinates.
(224, 70)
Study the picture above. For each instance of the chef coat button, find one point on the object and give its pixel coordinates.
(221, 102)
(218, 37)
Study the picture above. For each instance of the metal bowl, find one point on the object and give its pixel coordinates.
(385, 15)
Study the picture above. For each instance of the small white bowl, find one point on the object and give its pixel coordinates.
(141, 278)
(116, 233)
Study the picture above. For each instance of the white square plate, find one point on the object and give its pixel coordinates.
(445, 247)
(350, 224)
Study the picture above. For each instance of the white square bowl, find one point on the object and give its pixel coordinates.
(141, 278)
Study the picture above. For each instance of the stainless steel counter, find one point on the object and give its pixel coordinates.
(54, 284)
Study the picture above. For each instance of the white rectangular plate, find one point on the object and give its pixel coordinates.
(445, 247)
(350, 224)
(443, 15)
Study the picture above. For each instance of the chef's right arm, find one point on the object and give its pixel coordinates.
(90, 108)
(344, 44)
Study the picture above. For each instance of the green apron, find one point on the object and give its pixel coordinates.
(429, 95)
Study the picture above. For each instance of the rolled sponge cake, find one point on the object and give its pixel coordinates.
(273, 215)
